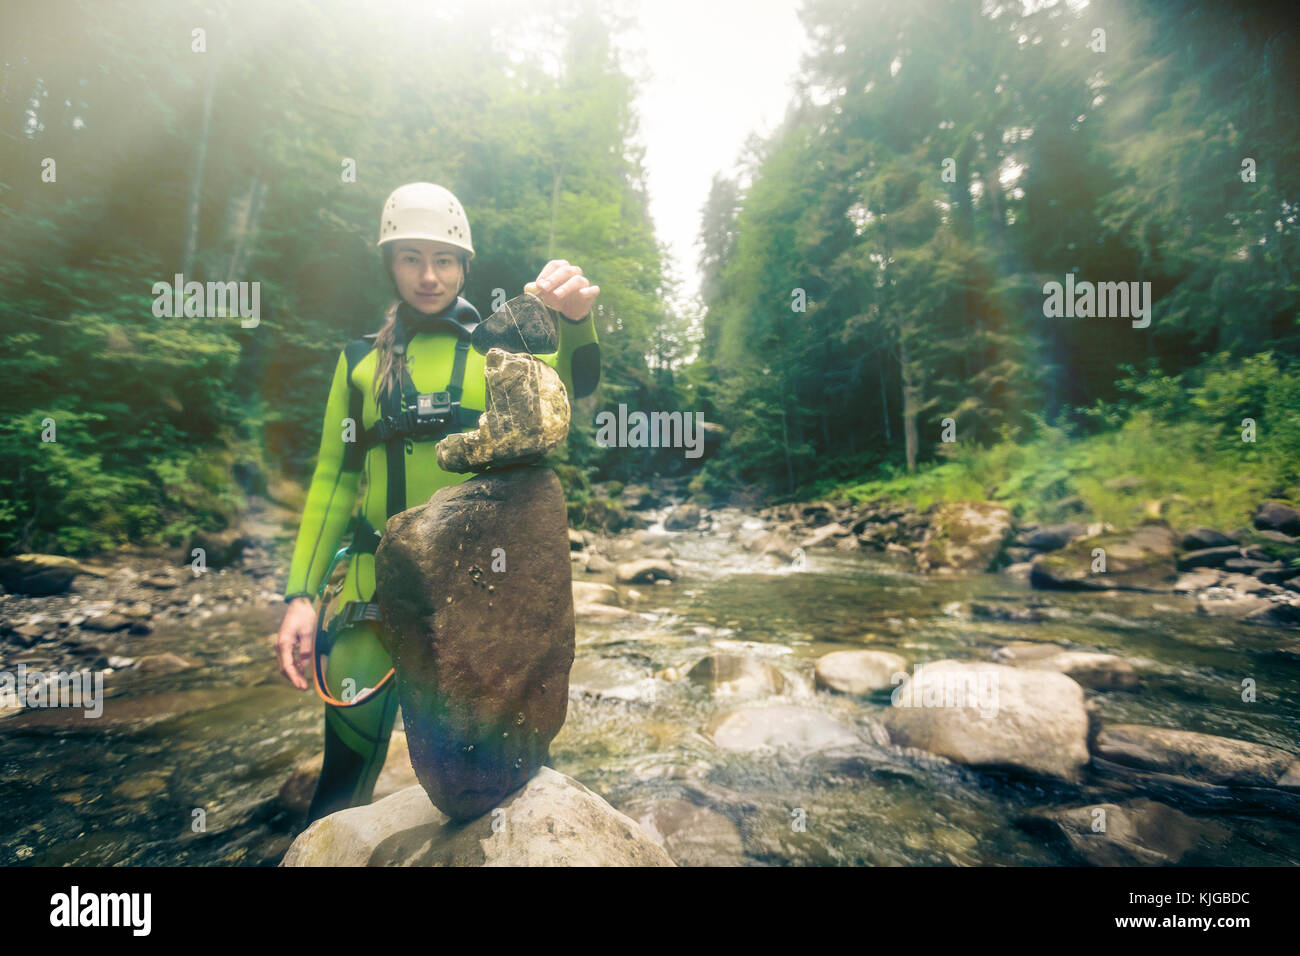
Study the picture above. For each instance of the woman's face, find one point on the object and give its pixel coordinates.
(428, 274)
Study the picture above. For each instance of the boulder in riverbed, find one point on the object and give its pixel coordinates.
(858, 672)
(1140, 560)
(552, 821)
(995, 716)
(965, 536)
(737, 675)
(1197, 758)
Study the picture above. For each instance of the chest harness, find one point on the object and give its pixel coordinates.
(404, 418)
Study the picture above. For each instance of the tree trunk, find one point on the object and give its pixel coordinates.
(196, 181)
(911, 400)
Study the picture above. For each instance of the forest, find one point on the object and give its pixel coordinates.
(874, 318)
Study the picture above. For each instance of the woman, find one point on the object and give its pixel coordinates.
(383, 418)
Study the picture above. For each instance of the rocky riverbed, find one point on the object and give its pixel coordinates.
(737, 693)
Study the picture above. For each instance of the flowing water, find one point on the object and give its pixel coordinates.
(215, 743)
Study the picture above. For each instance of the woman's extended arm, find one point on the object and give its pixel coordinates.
(329, 505)
(331, 497)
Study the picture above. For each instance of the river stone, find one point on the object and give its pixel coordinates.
(39, 575)
(770, 726)
(585, 592)
(1096, 671)
(964, 536)
(1201, 758)
(858, 672)
(552, 821)
(1215, 557)
(1141, 560)
(683, 518)
(611, 678)
(1136, 833)
(527, 415)
(482, 657)
(521, 325)
(1200, 538)
(644, 571)
(1037, 721)
(1052, 537)
(737, 675)
(1278, 516)
(692, 835)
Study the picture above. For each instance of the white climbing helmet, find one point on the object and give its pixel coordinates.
(425, 211)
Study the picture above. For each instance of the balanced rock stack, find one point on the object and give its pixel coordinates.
(476, 590)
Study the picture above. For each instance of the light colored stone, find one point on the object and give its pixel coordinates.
(858, 672)
(552, 821)
(992, 715)
(771, 726)
(527, 415)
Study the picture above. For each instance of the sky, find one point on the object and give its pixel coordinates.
(714, 71)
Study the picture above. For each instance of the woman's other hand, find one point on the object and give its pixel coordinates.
(564, 288)
(297, 634)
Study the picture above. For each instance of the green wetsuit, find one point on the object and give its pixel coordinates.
(356, 738)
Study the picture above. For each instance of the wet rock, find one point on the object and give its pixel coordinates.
(106, 623)
(737, 675)
(522, 324)
(991, 715)
(1000, 612)
(1208, 557)
(644, 571)
(1231, 606)
(1136, 833)
(527, 415)
(166, 663)
(825, 536)
(1020, 572)
(587, 593)
(1023, 653)
(771, 726)
(221, 549)
(597, 563)
(1052, 537)
(552, 821)
(1197, 580)
(25, 635)
(692, 835)
(611, 678)
(160, 582)
(1199, 758)
(1141, 560)
(39, 575)
(482, 657)
(1250, 566)
(638, 498)
(683, 518)
(576, 541)
(779, 544)
(1277, 614)
(965, 536)
(1278, 516)
(858, 672)
(1095, 671)
(1199, 539)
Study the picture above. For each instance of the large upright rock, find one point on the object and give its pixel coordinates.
(527, 415)
(482, 655)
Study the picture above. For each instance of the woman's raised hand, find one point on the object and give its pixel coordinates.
(564, 288)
